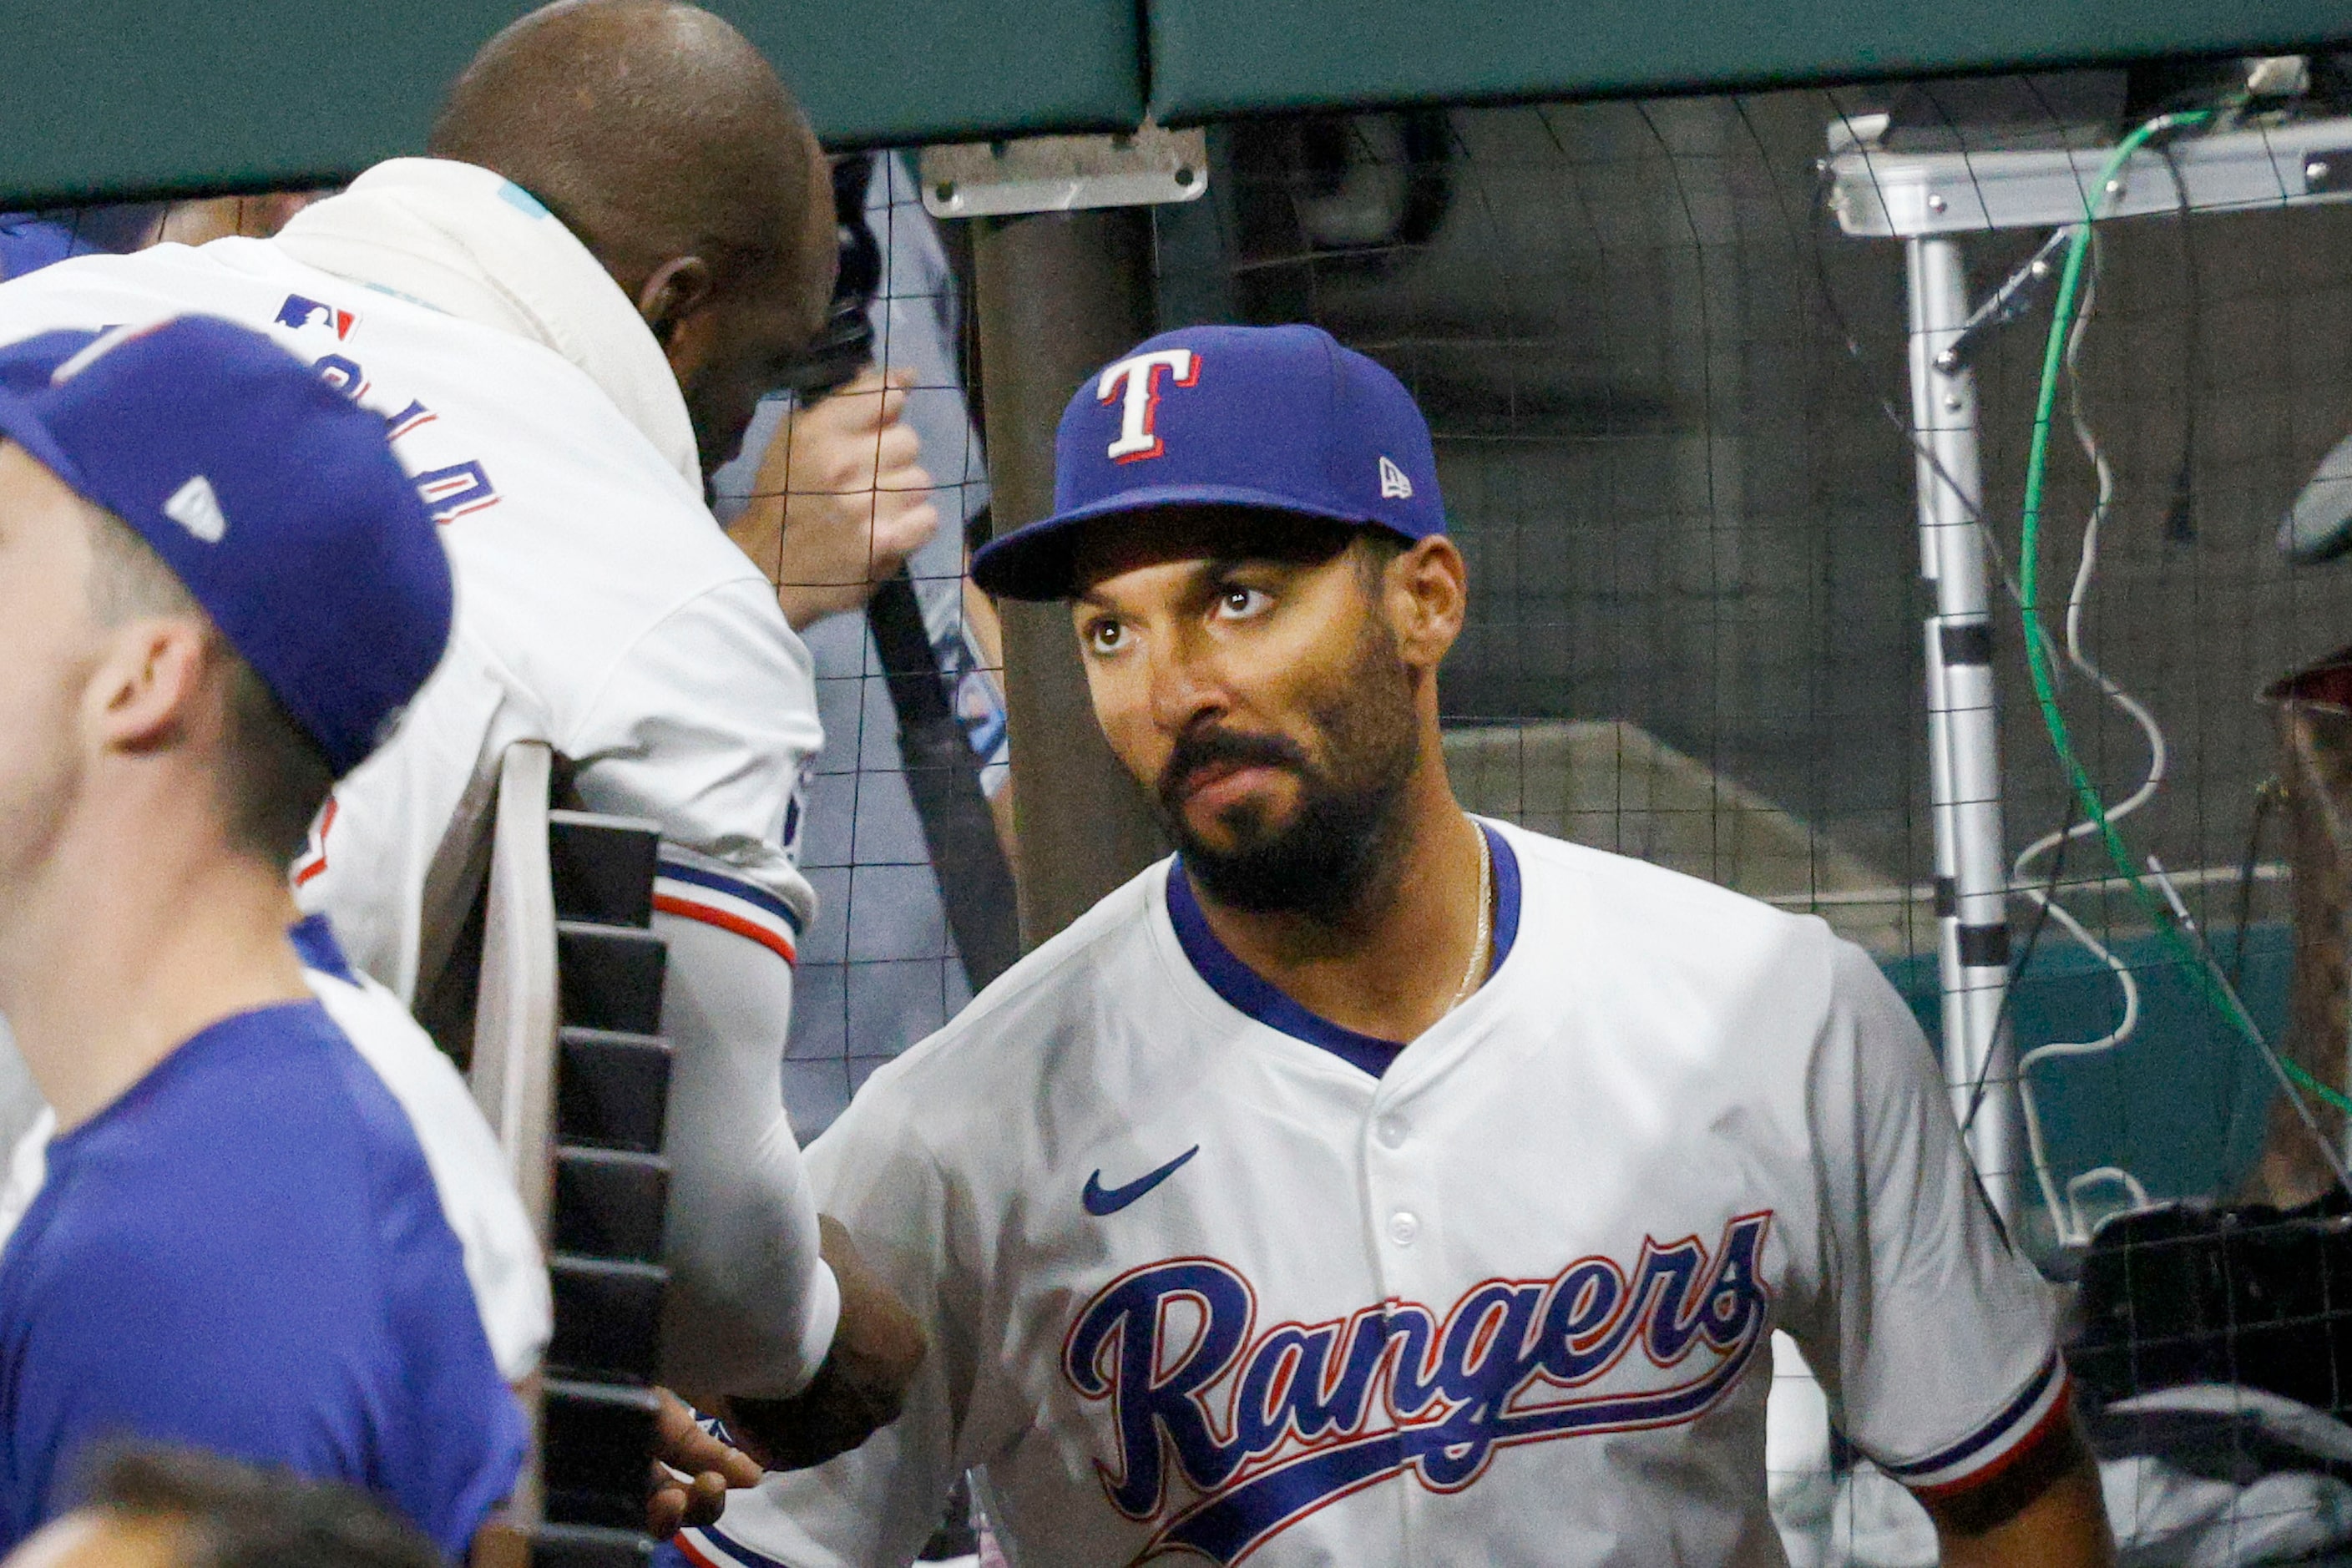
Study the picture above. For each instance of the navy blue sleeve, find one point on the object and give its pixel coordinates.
(130, 1336)
(264, 1276)
(331, 1370)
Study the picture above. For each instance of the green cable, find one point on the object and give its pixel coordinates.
(2037, 657)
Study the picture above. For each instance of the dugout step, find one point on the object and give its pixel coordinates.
(608, 1319)
(588, 1546)
(611, 1202)
(603, 868)
(594, 1440)
(609, 977)
(612, 1090)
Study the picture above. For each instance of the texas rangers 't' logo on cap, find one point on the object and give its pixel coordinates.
(1135, 379)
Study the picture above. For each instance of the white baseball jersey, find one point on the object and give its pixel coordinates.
(1206, 1275)
(599, 609)
(599, 606)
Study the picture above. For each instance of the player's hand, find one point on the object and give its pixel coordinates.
(860, 1389)
(691, 1471)
(841, 499)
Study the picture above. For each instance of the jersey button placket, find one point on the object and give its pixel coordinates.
(1394, 1192)
(1390, 1131)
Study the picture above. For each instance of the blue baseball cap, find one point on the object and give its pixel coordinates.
(272, 496)
(1279, 419)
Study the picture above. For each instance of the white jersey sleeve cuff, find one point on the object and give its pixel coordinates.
(2016, 1430)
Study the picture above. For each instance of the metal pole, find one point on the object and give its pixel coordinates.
(1057, 295)
(1963, 734)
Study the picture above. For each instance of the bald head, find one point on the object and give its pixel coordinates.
(664, 140)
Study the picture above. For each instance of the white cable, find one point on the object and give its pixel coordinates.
(2065, 1214)
(2115, 1173)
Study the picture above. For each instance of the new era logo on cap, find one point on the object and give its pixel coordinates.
(194, 508)
(1394, 486)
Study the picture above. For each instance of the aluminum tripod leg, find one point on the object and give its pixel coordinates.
(1963, 735)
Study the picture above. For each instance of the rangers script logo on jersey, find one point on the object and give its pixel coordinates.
(1269, 1426)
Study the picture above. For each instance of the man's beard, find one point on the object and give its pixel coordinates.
(1328, 855)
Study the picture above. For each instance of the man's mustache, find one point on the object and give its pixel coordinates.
(1206, 748)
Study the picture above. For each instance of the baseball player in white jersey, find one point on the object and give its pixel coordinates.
(1368, 1183)
(557, 396)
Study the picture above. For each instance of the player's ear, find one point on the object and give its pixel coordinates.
(148, 687)
(1427, 590)
(676, 290)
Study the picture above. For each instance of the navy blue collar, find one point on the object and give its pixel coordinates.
(1251, 993)
(314, 942)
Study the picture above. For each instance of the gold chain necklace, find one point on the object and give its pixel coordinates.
(1485, 923)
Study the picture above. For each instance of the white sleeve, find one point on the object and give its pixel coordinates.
(1935, 1341)
(26, 1124)
(470, 1172)
(29, 1167)
(751, 1306)
(875, 1506)
(705, 726)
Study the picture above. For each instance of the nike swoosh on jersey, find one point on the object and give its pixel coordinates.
(1102, 1201)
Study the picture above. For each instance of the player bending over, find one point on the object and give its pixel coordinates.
(1374, 1184)
(563, 320)
(217, 591)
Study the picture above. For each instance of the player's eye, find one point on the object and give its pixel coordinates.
(1236, 602)
(1105, 636)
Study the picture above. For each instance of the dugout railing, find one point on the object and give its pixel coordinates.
(569, 1066)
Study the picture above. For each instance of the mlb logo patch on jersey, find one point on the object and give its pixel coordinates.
(301, 313)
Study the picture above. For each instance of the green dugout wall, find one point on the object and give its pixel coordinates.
(112, 98)
(105, 98)
(1212, 58)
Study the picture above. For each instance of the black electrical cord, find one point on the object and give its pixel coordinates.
(2180, 514)
(2267, 798)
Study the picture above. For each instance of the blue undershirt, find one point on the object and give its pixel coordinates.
(1253, 994)
(246, 1254)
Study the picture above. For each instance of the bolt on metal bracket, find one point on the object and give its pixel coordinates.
(1147, 167)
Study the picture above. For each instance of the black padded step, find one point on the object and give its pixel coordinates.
(603, 866)
(610, 977)
(610, 1203)
(588, 1546)
(594, 1442)
(607, 1318)
(611, 1090)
